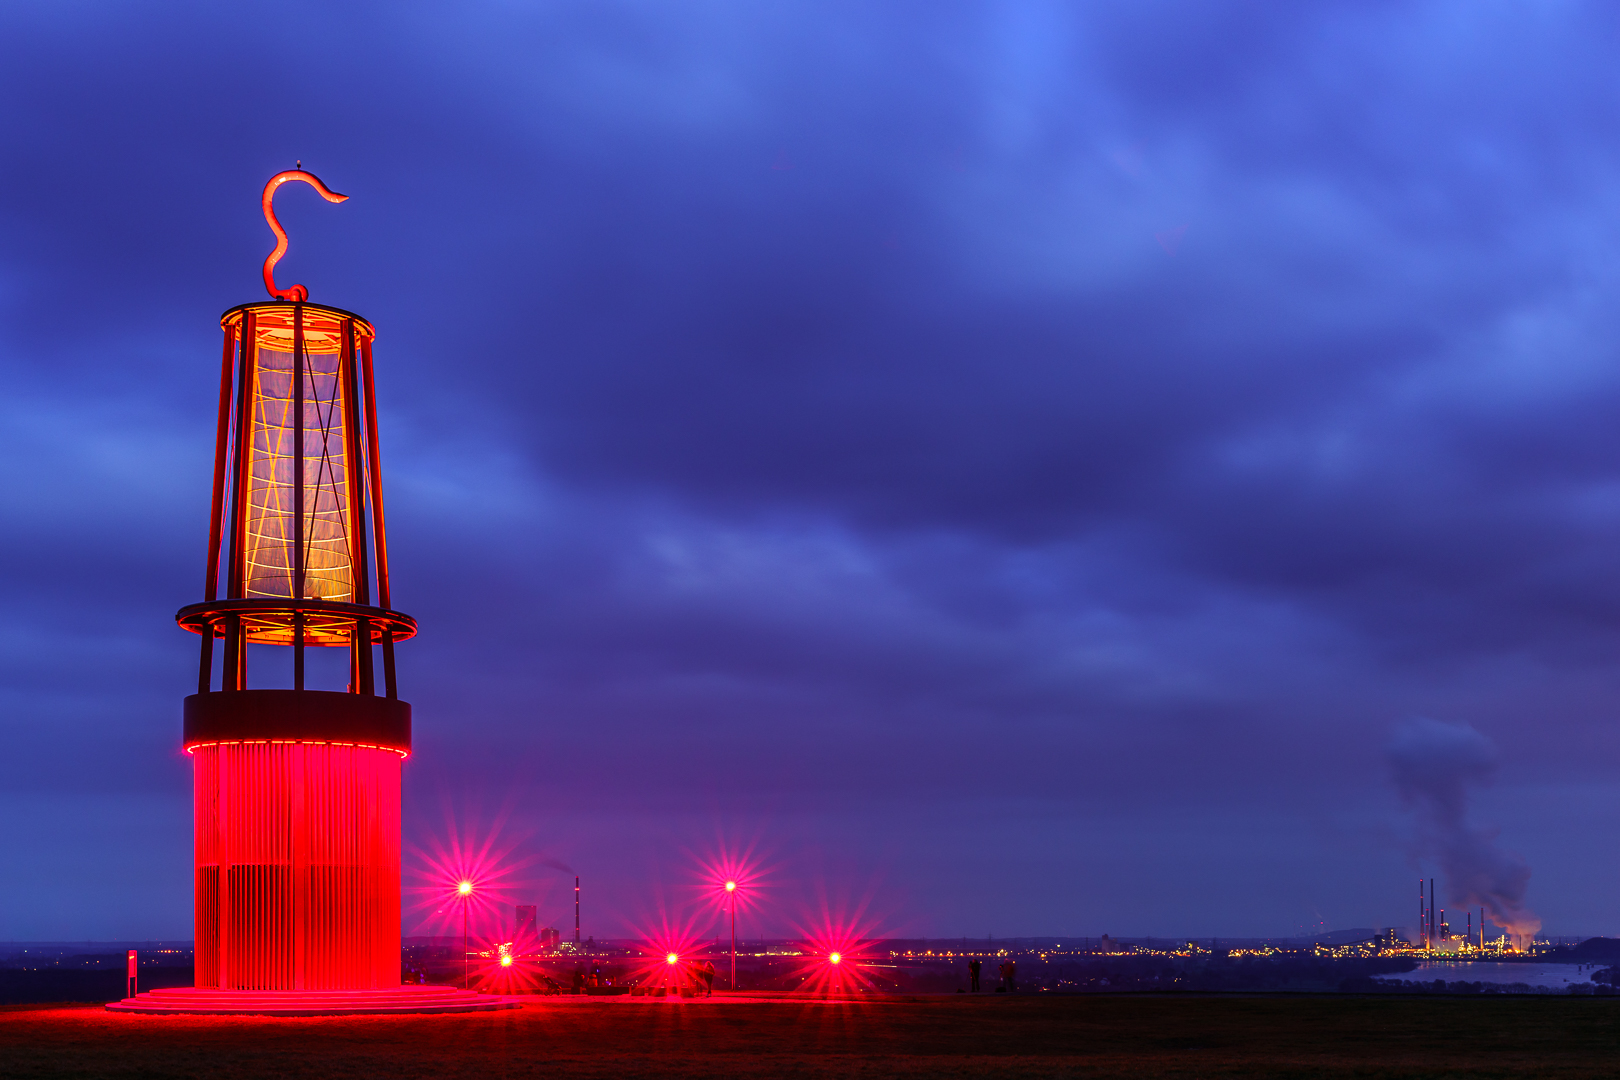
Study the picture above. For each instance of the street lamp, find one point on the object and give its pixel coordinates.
(465, 891)
(731, 890)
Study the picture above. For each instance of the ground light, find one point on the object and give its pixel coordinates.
(731, 891)
(465, 891)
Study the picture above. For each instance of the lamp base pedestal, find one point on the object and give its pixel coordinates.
(197, 1000)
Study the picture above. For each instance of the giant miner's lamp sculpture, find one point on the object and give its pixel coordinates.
(297, 792)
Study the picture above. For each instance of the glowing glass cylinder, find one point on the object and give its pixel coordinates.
(284, 415)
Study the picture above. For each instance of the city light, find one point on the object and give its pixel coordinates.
(465, 888)
(672, 958)
(506, 959)
(731, 886)
(835, 958)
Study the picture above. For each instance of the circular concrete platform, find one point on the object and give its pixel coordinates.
(396, 999)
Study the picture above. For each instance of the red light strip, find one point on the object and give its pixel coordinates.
(403, 754)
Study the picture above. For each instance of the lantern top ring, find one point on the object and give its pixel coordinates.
(282, 310)
(270, 620)
(276, 323)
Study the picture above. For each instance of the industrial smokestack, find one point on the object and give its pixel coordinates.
(1432, 898)
(576, 909)
(1437, 769)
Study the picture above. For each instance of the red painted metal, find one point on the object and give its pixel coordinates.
(378, 529)
(327, 622)
(357, 492)
(292, 292)
(221, 449)
(300, 453)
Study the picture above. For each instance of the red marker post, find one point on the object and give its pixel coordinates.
(131, 986)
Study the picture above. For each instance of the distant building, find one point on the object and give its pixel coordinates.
(523, 934)
(549, 938)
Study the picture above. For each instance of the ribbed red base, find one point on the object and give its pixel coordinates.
(400, 999)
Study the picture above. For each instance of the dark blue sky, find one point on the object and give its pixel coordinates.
(1016, 465)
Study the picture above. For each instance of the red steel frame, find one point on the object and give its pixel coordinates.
(296, 793)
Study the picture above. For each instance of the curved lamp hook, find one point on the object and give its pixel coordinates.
(293, 292)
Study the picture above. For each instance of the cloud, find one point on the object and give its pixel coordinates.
(1437, 766)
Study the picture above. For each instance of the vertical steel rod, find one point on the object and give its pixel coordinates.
(298, 650)
(298, 494)
(205, 667)
(355, 476)
(234, 676)
(221, 453)
(384, 596)
(354, 469)
(354, 658)
(390, 686)
(368, 679)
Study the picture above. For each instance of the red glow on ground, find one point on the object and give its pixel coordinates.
(497, 970)
(837, 963)
(840, 948)
(672, 955)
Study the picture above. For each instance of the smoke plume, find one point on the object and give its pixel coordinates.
(556, 864)
(1435, 766)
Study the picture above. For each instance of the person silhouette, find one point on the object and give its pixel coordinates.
(973, 974)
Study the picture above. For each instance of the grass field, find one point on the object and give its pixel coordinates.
(950, 1036)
